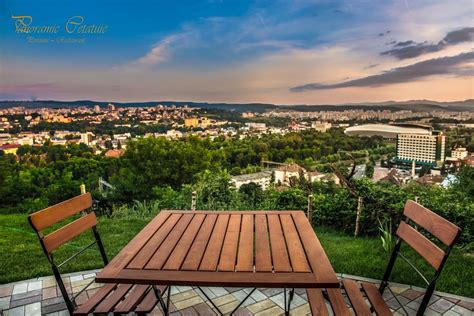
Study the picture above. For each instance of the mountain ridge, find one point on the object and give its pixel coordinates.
(413, 105)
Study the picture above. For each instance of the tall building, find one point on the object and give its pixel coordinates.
(87, 138)
(422, 149)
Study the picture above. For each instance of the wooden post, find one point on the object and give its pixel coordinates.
(309, 214)
(193, 201)
(417, 199)
(83, 188)
(359, 211)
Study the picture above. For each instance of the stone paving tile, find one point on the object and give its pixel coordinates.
(33, 309)
(208, 292)
(25, 295)
(279, 300)
(183, 296)
(271, 292)
(204, 309)
(50, 292)
(53, 308)
(227, 308)
(20, 288)
(184, 288)
(430, 312)
(48, 282)
(461, 310)
(242, 312)
(271, 312)
(260, 306)
(6, 290)
(450, 313)
(36, 285)
(188, 302)
(25, 301)
(398, 289)
(76, 278)
(88, 276)
(468, 305)
(441, 305)
(4, 303)
(224, 300)
(240, 295)
(218, 291)
(258, 296)
(412, 294)
(302, 310)
(18, 311)
(233, 289)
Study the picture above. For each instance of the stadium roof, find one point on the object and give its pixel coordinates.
(384, 130)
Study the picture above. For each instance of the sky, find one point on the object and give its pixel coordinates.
(281, 52)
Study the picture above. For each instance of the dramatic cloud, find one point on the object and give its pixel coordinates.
(410, 49)
(437, 66)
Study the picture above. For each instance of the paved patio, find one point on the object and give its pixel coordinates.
(41, 297)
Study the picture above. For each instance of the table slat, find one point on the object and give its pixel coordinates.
(175, 260)
(281, 262)
(245, 253)
(123, 258)
(318, 260)
(229, 250)
(162, 254)
(196, 252)
(263, 256)
(144, 255)
(295, 248)
(211, 256)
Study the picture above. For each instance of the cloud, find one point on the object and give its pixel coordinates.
(437, 66)
(403, 44)
(410, 49)
(158, 53)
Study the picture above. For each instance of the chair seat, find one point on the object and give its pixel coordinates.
(359, 304)
(120, 299)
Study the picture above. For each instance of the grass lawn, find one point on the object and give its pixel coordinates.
(22, 258)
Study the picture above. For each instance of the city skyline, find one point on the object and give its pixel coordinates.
(309, 52)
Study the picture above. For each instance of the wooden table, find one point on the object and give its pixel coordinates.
(241, 249)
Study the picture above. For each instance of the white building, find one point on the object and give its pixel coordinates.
(423, 149)
(321, 126)
(256, 126)
(459, 153)
(284, 173)
(87, 138)
(262, 178)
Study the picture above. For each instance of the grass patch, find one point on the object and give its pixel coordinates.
(22, 258)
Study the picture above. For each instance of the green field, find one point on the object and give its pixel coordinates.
(22, 258)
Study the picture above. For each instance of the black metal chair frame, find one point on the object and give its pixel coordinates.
(431, 284)
(70, 301)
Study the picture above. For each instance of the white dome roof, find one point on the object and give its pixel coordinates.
(384, 130)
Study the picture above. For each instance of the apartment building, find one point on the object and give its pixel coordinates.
(423, 149)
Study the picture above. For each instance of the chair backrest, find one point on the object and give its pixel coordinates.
(418, 216)
(44, 219)
(54, 214)
(437, 226)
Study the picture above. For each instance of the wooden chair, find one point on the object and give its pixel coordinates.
(116, 298)
(446, 232)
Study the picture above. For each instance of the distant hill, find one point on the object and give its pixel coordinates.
(413, 105)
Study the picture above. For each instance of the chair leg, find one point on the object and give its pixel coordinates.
(426, 299)
(164, 306)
